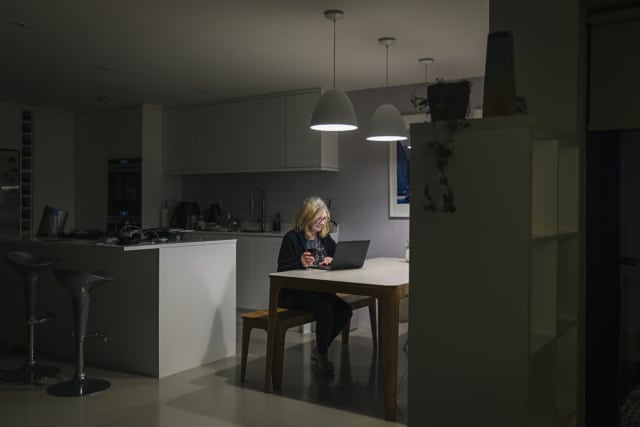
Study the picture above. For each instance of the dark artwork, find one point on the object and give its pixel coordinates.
(402, 171)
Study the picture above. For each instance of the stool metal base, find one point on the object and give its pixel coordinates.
(29, 374)
(77, 386)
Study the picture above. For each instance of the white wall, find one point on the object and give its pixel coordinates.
(53, 164)
(615, 67)
(549, 57)
(156, 188)
(10, 126)
(102, 136)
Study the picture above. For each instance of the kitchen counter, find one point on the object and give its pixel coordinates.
(209, 240)
(238, 233)
(171, 307)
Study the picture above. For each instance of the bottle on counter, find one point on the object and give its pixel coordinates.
(276, 222)
(164, 215)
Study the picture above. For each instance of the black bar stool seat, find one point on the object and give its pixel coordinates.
(29, 266)
(80, 284)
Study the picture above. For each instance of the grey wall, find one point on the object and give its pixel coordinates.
(358, 192)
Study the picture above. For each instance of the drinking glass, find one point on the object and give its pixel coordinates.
(311, 246)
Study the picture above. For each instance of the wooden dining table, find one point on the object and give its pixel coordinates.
(386, 279)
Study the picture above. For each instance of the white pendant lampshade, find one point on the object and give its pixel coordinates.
(387, 125)
(334, 112)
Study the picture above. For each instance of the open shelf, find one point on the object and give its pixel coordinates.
(543, 290)
(542, 389)
(566, 371)
(544, 187)
(26, 184)
(539, 342)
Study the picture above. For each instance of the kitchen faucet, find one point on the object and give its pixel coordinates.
(260, 190)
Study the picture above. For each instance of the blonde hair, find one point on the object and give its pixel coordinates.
(311, 209)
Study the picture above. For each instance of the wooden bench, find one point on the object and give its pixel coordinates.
(286, 319)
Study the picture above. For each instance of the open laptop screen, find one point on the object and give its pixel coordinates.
(349, 254)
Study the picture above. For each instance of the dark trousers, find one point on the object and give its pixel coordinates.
(332, 313)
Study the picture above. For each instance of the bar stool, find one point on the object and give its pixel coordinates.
(80, 284)
(29, 266)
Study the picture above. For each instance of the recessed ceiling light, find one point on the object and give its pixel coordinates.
(19, 24)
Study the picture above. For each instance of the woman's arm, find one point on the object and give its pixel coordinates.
(290, 254)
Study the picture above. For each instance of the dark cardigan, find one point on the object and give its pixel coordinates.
(292, 248)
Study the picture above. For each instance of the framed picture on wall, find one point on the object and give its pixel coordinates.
(399, 161)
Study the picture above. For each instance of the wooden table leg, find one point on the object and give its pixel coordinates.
(274, 290)
(389, 317)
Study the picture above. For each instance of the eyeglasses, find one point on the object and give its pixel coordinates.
(321, 219)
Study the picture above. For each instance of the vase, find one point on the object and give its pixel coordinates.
(449, 100)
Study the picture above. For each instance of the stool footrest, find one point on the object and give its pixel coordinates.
(42, 319)
(96, 335)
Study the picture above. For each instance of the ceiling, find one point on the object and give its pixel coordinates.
(81, 55)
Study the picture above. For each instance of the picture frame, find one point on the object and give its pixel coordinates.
(399, 162)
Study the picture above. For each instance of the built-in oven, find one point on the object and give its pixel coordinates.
(124, 193)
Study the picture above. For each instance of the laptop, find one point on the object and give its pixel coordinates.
(349, 254)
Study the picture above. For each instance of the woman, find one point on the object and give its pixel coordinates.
(332, 313)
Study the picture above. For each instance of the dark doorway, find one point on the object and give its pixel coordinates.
(612, 344)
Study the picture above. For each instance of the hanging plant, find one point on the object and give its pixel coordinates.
(442, 145)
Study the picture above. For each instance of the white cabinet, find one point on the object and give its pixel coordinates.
(178, 130)
(306, 148)
(244, 270)
(256, 258)
(240, 136)
(269, 133)
(496, 284)
(10, 126)
(265, 261)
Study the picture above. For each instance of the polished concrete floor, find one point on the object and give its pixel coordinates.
(212, 395)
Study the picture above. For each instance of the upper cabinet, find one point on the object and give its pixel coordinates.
(240, 136)
(178, 139)
(263, 134)
(308, 149)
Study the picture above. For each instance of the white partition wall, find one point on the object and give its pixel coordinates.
(494, 285)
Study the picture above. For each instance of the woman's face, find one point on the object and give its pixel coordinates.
(316, 225)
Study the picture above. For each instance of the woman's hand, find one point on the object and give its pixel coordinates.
(307, 259)
(326, 261)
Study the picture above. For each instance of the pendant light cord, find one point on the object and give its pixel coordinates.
(334, 53)
(426, 81)
(386, 82)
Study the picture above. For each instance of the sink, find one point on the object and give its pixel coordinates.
(250, 227)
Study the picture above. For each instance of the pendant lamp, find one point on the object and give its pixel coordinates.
(386, 123)
(426, 62)
(334, 110)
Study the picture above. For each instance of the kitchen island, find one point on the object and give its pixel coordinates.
(171, 307)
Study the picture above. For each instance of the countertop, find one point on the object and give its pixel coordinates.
(240, 233)
(133, 247)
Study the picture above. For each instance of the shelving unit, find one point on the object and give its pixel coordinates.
(26, 181)
(503, 270)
